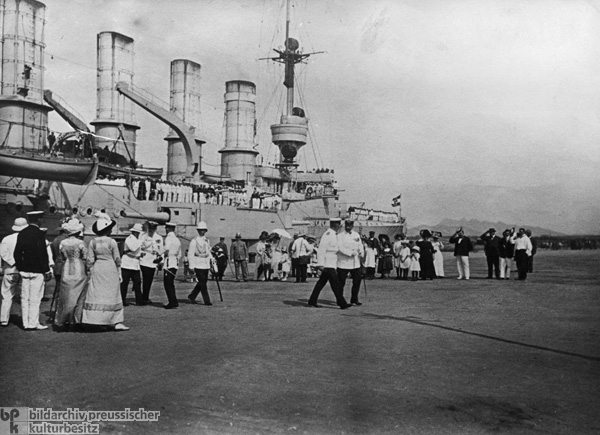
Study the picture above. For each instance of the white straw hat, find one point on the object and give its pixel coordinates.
(20, 223)
(74, 226)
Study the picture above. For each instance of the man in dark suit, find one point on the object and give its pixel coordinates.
(33, 264)
(220, 253)
(492, 252)
(462, 247)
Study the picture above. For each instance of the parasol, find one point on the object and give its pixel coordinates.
(282, 233)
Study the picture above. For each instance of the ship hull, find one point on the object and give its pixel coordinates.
(309, 217)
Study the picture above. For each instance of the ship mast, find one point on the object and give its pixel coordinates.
(291, 133)
(289, 64)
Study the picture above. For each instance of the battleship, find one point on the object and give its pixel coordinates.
(96, 169)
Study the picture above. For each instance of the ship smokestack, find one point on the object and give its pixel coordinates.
(114, 110)
(238, 158)
(185, 103)
(24, 116)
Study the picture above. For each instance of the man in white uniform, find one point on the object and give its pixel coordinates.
(130, 265)
(152, 250)
(351, 251)
(172, 256)
(327, 259)
(11, 278)
(199, 259)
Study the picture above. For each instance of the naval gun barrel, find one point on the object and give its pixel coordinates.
(160, 217)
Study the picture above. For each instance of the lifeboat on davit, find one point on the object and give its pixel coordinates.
(32, 164)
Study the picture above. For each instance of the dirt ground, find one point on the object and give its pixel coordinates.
(433, 357)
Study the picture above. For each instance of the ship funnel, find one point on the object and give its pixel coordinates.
(24, 116)
(238, 158)
(115, 118)
(185, 104)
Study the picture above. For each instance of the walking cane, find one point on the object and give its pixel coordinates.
(218, 285)
(54, 295)
(231, 267)
(365, 285)
(216, 278)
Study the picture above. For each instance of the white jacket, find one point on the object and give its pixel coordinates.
(199, 253)
(300, 248)
(152, 247)
(351, 250)
(327, 252)
(133, 245)
(172, 251)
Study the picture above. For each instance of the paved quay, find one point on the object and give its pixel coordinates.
(428, 357)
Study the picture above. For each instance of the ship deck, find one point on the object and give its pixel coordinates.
(435, 357)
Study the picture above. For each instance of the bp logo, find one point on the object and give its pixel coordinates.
(13, 421)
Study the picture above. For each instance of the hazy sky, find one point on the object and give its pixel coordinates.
(485, 109)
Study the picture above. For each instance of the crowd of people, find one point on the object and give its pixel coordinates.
(368, 214)
(151, 189)
(92, 281)
(317, 190)
(87, 276)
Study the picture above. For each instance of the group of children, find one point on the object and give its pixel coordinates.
(276, 264)
(407, 258)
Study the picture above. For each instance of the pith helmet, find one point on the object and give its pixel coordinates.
(137, 228)
(201, 226)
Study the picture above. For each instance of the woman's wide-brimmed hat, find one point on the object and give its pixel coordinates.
(103, 223)
(425, 233)
(74, 226)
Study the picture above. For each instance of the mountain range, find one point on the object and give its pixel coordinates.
(474, 228)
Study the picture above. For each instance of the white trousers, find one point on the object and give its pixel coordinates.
(10, 287)
(505, 266)
(462, 264)
(32, 291)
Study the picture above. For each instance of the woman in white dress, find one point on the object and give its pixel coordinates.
(74, 278)
(438, 258)
(101, 302)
